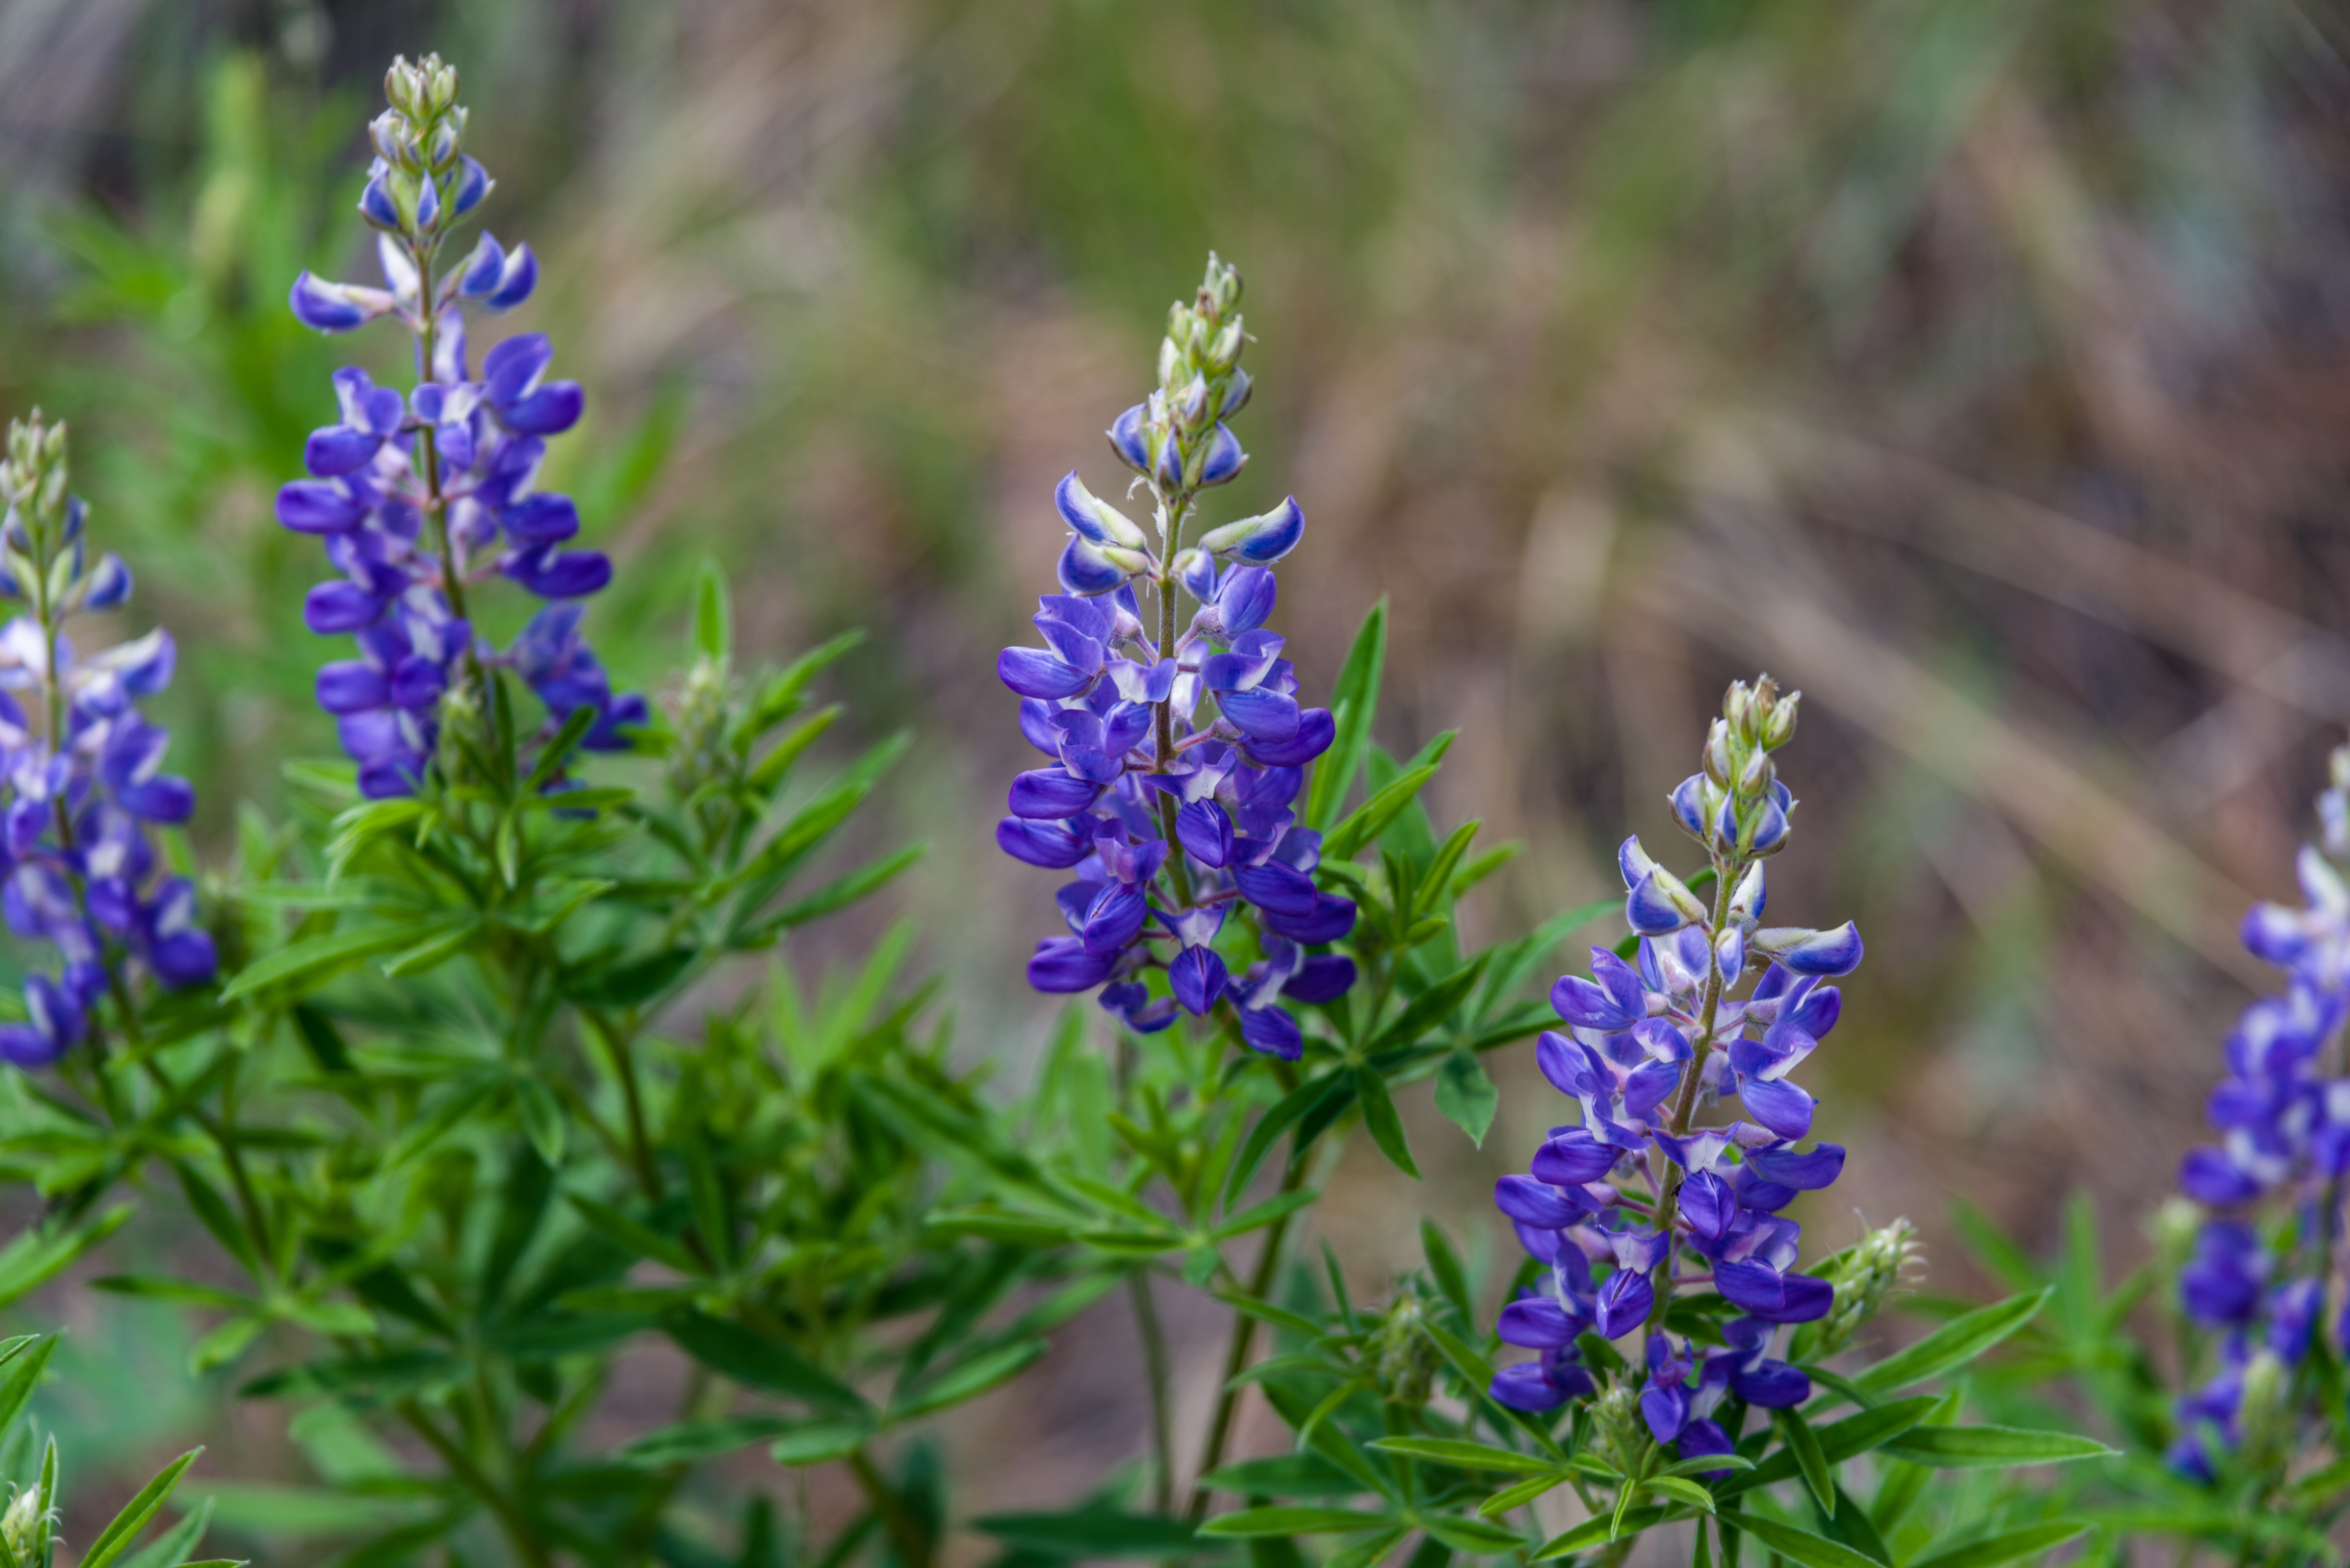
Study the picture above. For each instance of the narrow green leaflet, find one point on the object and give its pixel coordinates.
(818, 1441)
(1953, 1345)
(1379, 1116)
(1525, 1493)
(690, 1440)
(1801, 1545)
(968, 1380)
(2029, 1542)
(1254, 1521)
(126, 1525)
(1364, 824)
(1840, 1441)
(1283, 1475)
(1092, 1534)
(1464, 1455)
(1968, 1448)
(22, 1377)
(726, 1347)
(313, 960)
(41, 1252)
(1475, 1535)
(1810, 1458)
(1597, 1532)
(1680, 1491)
(1466, 1097)
(1354, 702)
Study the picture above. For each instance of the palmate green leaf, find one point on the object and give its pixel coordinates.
(1801, 1545)
(1462, 1455)
(1279, 1520)
(2006, 1547)
(1953, 1345)
(1972, 1447)
(1354, 704)
(1475, 1535)
(689, 1440)
(1092, 1534)
(126, 1525)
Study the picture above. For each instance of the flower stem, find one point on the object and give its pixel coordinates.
(1154, 1359)
(1684, 1104)
(1243, 1339)
(905, 1532)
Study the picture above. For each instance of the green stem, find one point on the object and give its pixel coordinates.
(1243, 1339)
(518, 1533)
(1154, 1359)
(905, 1532)
(1669, 1198)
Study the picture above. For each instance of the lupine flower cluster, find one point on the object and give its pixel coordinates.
(2283, 1112)
(1639, 1202)
(1175, 817)
(83, 780)
(417, 498)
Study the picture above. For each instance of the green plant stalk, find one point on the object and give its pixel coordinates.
(518, 1533)
(1154, 1358)
(904, 1530)
(1243, 1340)
(1668, 1197)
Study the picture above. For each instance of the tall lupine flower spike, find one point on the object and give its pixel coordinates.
(418, 498)
(1176, 821)
(2283, 1115)
(1639, 1203)
(81, 777)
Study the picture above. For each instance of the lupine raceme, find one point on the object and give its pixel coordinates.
(1179, 744)
(84, 786)
(1641, 1202)
(2269, 1246)
(420, 498)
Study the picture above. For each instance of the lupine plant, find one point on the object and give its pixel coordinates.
(470, 1078)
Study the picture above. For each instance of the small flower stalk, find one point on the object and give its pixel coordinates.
(1176, 740)
(2264, 1270)
(420, 498)
(1642, 1203)
(84, 786)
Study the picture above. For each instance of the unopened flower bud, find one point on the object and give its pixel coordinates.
(1737, 708)
(1716, 759)
(1755, 776)
(2265, 1418)
(1407, 1357)
(1224, 349)
(1170, 357)
(1867, 1277)
(1261, 540)
(25, 1527)
(1779, 728)
(1190, 404)
(2172, 1228)
(1747, 898)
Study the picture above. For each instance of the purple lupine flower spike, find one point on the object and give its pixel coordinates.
(420, 498)
(1648, 1045)
(2283, 1113)
(1175, 754)
(81, 775)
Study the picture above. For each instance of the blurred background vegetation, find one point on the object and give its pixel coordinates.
(1978, 366)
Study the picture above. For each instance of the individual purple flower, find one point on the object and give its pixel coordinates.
(1174, 756)
(420, 498)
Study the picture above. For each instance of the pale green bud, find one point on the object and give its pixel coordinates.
(1779, 724)
(1755, 776)
(2265, 1418)
(1407, 1357)
(1170, 358)
(1716, 759)
(1866, 1278)
(1224, 349)
(2172, 1228)
(25, 1527)
(1737, 708)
